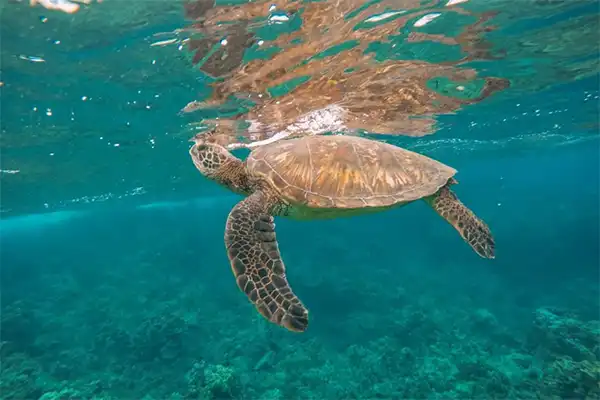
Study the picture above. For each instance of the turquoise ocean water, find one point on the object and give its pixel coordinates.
(115, 283)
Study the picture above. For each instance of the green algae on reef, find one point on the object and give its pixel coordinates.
(144, 330)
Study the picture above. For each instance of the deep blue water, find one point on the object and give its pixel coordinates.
(115, 283)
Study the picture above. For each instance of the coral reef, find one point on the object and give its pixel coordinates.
(168, 339)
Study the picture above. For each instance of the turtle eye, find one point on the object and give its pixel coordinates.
(200, 146)
(197, 150)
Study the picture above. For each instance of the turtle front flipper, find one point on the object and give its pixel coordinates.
(472, 229)
(257, 265)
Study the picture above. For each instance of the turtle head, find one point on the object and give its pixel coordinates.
(217, 163)
(209, 156)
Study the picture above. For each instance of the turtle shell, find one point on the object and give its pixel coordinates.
(346, 172)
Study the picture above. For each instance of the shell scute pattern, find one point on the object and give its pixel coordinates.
(347, 172)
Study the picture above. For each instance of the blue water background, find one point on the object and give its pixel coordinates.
(128, 297)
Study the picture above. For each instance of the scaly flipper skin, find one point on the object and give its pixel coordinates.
(472, 229)
(256, 262)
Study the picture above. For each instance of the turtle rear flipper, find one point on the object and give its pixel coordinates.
(472, 229)
(257, 265)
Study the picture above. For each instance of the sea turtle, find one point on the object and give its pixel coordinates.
(319, 177)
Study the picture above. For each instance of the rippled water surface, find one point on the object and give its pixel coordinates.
(91, 100)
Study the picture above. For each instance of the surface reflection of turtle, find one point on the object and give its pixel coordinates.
(320, 177)
(361, 59)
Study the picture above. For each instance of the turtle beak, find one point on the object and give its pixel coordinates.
(196, 139)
